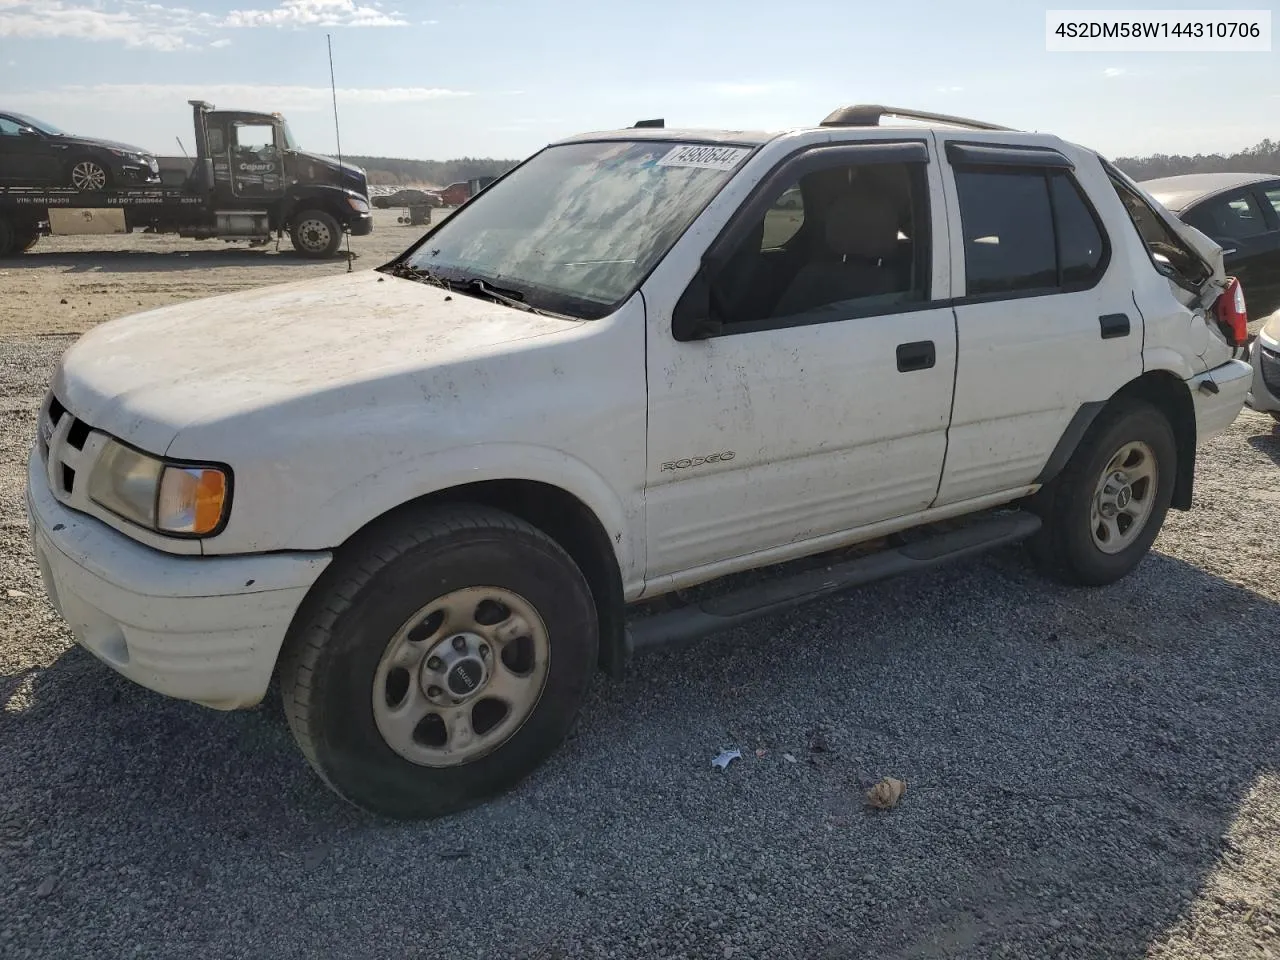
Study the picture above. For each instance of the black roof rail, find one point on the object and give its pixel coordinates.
(869, 115)
(660, 124)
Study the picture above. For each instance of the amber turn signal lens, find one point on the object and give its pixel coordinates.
(192, 500)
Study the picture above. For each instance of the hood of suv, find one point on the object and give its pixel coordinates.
(145, 377)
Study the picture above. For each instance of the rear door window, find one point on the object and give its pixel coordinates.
(1235, 217)
(1273, 197)
(1027, 231)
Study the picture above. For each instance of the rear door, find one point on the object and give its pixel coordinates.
(1044, 312)
(1245, 224)
(821, 403)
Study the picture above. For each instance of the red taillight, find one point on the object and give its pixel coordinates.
(1233, 318)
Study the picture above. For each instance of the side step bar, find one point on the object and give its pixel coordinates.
(720, 613)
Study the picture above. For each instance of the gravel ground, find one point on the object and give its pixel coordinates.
(1090, 774)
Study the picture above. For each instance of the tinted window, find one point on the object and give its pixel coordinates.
(1229, 217)
(837, 243)
(1008, 231)
(1273, 197)
(1168, 252)
(1081, 247)
(9, 128)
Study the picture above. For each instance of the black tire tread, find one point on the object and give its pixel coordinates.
(1048, 548)
(369, 555)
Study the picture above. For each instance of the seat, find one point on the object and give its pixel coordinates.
(860, 231)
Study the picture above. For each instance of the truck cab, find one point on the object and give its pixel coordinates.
(251, 165)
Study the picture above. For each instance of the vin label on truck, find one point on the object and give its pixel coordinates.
(705, 155)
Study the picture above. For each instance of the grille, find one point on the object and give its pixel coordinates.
(1271, 370)
(62, 439)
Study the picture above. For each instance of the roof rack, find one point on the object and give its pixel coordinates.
(870, 115)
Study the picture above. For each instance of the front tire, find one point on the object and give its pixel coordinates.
(315, 234)
(442, 658)
(88, 175)
(1105, 509)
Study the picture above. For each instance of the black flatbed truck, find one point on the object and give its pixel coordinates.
(249, 181)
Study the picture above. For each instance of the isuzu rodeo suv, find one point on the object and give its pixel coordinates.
(432, 498)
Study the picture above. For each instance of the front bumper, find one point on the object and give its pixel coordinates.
(1215, 411)
(1264, 392)
(360, 224)
(206, 629)
(133, 173)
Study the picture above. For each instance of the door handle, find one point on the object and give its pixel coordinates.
(918, 355)
(1114, 325)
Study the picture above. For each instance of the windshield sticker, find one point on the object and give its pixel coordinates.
(706, 156)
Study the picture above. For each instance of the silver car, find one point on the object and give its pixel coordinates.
(1264, 353)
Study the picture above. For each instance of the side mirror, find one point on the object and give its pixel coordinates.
(694, 316)
(27, 132)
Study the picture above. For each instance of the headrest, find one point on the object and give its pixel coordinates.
(862, 224)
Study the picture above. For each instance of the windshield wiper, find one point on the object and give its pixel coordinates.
(503, 295)
(475, 286)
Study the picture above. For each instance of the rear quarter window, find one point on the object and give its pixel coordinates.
(1171, 257)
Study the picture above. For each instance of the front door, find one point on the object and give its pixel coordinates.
(257, 161)
(821, 403)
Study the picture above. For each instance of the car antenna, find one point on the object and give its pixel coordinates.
(333, 87)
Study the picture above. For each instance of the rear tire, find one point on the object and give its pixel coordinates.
(315, 234)
(1103, 512)
(26, 240)
(370, 669)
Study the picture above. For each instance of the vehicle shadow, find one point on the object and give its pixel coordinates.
(1269, 441)
(164, 261)
(1076, 760)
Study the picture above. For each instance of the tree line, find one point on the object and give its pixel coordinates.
(1263, 157)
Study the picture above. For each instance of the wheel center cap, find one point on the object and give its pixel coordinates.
(1123, 497)
(465, 676)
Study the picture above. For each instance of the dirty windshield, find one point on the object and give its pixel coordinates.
(577, 228)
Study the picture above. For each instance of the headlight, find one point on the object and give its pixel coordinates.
(178, 498)
(359, 206)
(131, 157)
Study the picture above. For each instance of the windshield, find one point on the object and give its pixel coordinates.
(40, 125)
(289, 142)
(578, 227)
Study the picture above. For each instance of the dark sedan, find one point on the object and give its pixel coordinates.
(34, 153)
(1241, 213)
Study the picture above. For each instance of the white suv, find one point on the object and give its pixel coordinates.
(433, 497)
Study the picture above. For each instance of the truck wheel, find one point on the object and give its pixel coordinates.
(440, 660)
(1103, 512)
(25, 240)
(87, 174)
(315, 234)
(8, 239)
